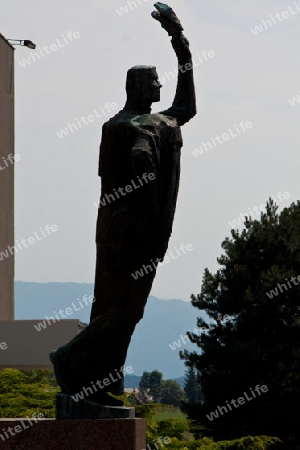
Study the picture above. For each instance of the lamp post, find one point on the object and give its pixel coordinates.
(24, 43)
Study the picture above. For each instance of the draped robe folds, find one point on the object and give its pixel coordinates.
(133, 231)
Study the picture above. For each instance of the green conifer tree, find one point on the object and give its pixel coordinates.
(254, 303)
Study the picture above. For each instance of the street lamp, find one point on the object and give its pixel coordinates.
(24, 43)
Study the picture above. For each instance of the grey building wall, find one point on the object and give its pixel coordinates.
(22, 346)
(6, 179)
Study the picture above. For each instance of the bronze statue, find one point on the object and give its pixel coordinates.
(139, 166)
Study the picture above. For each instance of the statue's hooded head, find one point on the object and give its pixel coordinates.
(142, 85)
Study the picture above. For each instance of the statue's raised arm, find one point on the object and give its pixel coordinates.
(184, 104)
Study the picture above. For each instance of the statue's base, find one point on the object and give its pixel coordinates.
(68, 408)
(52, 434)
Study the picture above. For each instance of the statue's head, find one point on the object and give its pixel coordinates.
(142, 84)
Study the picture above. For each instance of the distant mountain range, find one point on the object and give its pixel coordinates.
(157, 338)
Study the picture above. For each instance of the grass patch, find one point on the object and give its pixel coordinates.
(169, 412)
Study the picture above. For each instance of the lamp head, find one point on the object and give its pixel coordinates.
(29, 44)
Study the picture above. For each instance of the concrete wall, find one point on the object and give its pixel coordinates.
(6, 179)
(23, 347)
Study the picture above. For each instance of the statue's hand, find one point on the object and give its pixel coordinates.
(167, 18)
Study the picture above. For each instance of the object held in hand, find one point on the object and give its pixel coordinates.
(167, 18)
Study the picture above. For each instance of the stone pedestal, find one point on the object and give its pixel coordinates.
(68, 408)
(53, 434)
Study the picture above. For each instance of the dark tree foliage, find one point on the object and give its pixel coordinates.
(144, 387)
(172, 393)
(191, 386)
(152, 387)
(155, 381)
(258, 342)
